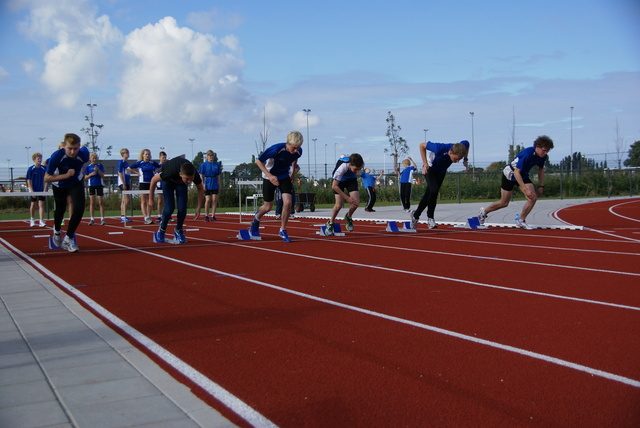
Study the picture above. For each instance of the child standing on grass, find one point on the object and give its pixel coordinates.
(517, 174)
(35, 183)
(64, 171)
(124, 183)
(146, 168)
(176, 176)
(406, 176)
(369, 183)
(94, 174)
(278, 164)
(345, 178)
(209, 172)
(436, 158)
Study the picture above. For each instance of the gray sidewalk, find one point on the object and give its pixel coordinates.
(60, 366)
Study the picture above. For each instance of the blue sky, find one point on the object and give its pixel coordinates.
(162, 72)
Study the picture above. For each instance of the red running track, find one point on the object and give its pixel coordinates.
(446, 327)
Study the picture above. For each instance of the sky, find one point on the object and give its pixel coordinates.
(194, 75)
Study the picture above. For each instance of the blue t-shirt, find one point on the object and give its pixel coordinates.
(210, 171)
(405, 175)
(36, 175)
(368, 180)
(148, 169)
(525, 160)
(95, 180)
(440, 159)
(60, 163)
(126, 174)
(278, 160)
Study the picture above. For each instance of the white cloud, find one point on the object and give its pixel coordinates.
(214, 20)
(174, 74)
(79, 58)
(3, 74)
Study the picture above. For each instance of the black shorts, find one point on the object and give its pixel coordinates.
(269, 190)
(144, 186)
(348, 186)
(210, 192)
(96, 190)
(508, 185)
(37, 198)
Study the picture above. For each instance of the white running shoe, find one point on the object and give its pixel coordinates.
(413, 219)
(523, 224)
(42, 224)
(432, 223)
(482, 216)
(32, 223)
(69, 245)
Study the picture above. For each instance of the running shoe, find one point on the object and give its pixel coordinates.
(523, 224)
(206, 219)
(158, 237)
(213, 218)
(255, 227)
(349, 223)
(69, 244)
(285, 237)
(413, 219)
(328, 229)
(42, 224)
(103, 222)
(147, 220)
(178, 235)
(124, 219)
(482, 216)
(32, 223)
(91, 222)
(57, 240)
(432, 223)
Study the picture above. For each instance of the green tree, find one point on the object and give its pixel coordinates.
(246, 171)
(634, 155)
(198, 159)
(397, 145)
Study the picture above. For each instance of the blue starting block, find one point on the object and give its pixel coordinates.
(245, 235)
(337, 230)
(474, 223)
(400, 226)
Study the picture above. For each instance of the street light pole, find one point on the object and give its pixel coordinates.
(571, 144)
(42, 145)
(307, 110)
(315, 159)
(425, 135)
(192, 139)
(28, 160)
(473, 145)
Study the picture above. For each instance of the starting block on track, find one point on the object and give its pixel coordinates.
(245, 235)
(53, 246)
(400, 226)
(474, 223)
(337, 230)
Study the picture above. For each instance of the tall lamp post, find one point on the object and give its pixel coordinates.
(306, 111)
(192, 140)
(42, 144)
(315, 159)
(473, 145)
(425, 135)
(571, 143)
(325, 161)
(28, 160)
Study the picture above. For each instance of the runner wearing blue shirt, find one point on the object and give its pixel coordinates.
(436, 158)
(369, 183)
(94, 174)
(278, 164)
(406, 176)
(124, 183)
(65, 172)
(35, 183)
(146, 169)
(209, 171)
(517, 174)
(345, 179)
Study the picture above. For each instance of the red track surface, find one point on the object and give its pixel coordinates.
(446, 327)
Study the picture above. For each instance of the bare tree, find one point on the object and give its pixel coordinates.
(397, 145)
(264, 135)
